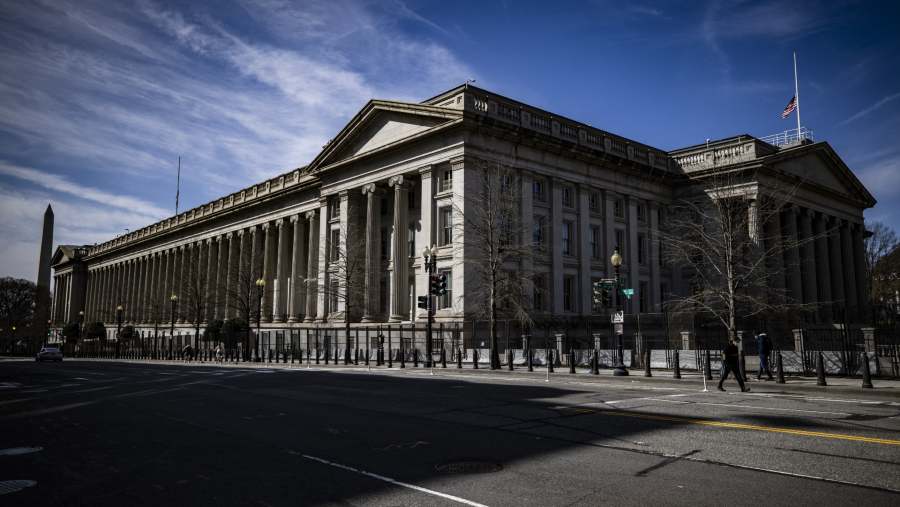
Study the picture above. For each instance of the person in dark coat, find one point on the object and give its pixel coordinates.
(764, 346)
(730, 357)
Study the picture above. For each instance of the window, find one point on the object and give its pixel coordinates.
(642, 249)
(334, 245)
(643, 298)
(537, 234)
(595, 243)
(385, 243)
(334, 208)
(411, 200)
(642, 212)
(540, 290)
(506, 182)
(445, 223)
(594, 201)
(620, 242)
(567, 238)
(446, 180)
(538, 190)
(619, 208)
(411, 240)
(569, 293)
(446, 301)
(333, 288)
(567, 197)
(663, 291)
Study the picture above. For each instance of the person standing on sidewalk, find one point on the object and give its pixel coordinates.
(764, 346)
(730, 358)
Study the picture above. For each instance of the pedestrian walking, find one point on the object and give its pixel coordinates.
(764, 346)
(219, 355)
(730, 358)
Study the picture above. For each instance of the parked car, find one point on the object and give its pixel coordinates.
(48, 353)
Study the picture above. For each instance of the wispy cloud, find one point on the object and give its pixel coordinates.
(871, 109)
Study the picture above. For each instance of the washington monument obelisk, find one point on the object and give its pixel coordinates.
(42, 298)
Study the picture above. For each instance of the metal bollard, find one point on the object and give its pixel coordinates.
(647, 372)
(866, 373)
(458, 358)
(676, 373)
(416, 358)
(595, 362)
(571, 360)
(708, 372)
(550, 360)
(475, 358)
(820, 370)
(443, 358)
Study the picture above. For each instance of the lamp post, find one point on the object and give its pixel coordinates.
(118, 327)
(174, 300)
(616, 261)
(260, 286)
(430, 257)
(80, 326)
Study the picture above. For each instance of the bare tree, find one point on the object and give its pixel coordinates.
(722, 239)
(345, 279)
(491, 233)
(195, 301)
(241, 296)
(879, 244)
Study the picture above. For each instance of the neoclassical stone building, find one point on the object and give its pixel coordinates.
(394, 179)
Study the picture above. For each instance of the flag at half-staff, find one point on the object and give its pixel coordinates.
(790, 107)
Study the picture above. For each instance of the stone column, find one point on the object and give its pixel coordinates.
(312, 264)
(231, 274)
(792, 256)
(399, 255)
(140, 286)
(212, 271)
(243, 270)
(849, 273)
(198, 282)
(859, 266)
(753, 223)
(282, 271)
(836, 263)
(149, 294)
(269, 264)
(823, 268)
(131, 290)
(584, 292)
(631, 256)
(808, 259)
(371, 303)
(297, 287)
(221, 276)
(555, 247)
(527, 216)
(655, 298)
(184, 275)
(775, 259)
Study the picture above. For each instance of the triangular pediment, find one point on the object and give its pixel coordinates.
(820, 165)
(381, 125)
(63, 254)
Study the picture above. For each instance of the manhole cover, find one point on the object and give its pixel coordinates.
(469, 467)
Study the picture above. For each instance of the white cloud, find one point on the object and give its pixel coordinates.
(871, 109)
(882, 178)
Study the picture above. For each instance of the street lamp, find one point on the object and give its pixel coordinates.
(174, 300)
(260, 286)
(118, 327)
(430, 257)
(616, 261)
(80, 324)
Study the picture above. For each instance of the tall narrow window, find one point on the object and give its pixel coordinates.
(568, 293)
(446, 180)
(335, 245)
(643, 296)
(567, 198)
(594, 201)
(537, 234)
(567, 238)
(540, 291)
(620, 242)
(411, 240)
(642, 249)
(642, 212)
(537, 189)
(595, 243)
(333, 288)
(619, 208)
(445, 222)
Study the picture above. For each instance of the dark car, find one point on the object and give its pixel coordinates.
(48, 353)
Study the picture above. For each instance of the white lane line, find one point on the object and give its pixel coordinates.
(16, 451)
(20, 400)
(819, 398)
(7, 487)
(391, 481)
(755, 407)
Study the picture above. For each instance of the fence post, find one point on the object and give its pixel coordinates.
(676, 373)
(870, 346)
(820, 370)
(779, 367)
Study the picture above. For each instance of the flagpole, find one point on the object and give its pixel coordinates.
(797, 96)
(178, 185)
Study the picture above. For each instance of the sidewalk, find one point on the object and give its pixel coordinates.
(883, 388)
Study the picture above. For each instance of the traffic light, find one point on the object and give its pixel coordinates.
(604, 298)
(434, 282)
(423, 302)
(442, 284)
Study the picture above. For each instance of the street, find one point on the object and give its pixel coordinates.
(114, 433)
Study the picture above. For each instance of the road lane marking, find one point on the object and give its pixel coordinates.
(7, 487)
(391, 481)
(16, 451)
(755, 407)
(755, 427)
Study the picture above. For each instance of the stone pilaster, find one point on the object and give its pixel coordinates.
(808, 259)
(269, 264)
(583, 247)
(211, 279)
(184, 256)
(323, 243)
(656, 297)
(631, 255)
(221, 276)
(399, 255)
(555, 237)
(425, 236)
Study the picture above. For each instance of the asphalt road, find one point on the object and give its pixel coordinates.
(106, 433)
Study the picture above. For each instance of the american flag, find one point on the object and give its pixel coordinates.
(790, 107)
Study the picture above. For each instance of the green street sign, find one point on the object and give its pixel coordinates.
(628, 293)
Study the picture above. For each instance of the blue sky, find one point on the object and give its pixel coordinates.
(98, 99)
